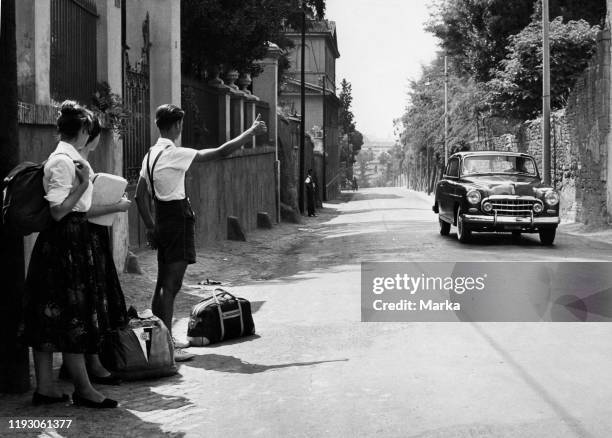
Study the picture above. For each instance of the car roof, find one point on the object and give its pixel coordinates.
(480, 153)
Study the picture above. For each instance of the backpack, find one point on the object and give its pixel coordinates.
(24, 207)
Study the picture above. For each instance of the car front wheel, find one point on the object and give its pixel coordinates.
(547, 236)
(464, 234)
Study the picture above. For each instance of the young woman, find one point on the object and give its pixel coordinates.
(109, 295)
(63, 312)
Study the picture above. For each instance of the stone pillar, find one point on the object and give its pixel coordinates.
(237, 99)
(33, 35)
(33, 50)
(165, 53)
(265, 86)
(109, 53)
(224, 114)
(250, 104)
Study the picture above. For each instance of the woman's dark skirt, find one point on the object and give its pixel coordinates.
(72, 293)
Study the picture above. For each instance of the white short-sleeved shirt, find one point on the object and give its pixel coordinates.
(59, 177)
(169, 172)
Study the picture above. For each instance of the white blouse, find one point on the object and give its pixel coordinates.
(60, 177)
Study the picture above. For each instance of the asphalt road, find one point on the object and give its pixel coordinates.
(315, 370)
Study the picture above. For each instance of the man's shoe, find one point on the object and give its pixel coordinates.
(180, 344)
(181, 355)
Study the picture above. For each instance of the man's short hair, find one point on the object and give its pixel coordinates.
(167, 115)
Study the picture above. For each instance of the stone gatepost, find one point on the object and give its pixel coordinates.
(265, 86)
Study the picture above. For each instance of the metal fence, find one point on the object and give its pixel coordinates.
(73, 71)
(136, 97)
(201, 123)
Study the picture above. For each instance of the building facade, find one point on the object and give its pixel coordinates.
(322, 103)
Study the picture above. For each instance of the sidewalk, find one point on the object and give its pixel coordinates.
(155, 407)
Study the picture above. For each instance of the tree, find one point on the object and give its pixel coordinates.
(346, 115)
(476, 33)
(516, 89)
(234, 33)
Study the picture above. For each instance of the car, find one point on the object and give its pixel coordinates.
(492, 191)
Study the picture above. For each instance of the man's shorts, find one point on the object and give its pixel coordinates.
(175, 231)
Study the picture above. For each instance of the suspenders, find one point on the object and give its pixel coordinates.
(151, 169)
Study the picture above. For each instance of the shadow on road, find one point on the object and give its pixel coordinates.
(231, 364)
(358, 196)
(119, 422)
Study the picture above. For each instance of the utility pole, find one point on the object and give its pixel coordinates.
(14, 357)
(445, 109)
(324, 141)
(546, 93)
(302, 111)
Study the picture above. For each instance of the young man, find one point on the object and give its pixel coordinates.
(172, 231)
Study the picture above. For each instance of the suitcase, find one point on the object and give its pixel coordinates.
(142, 350)
(219, 317)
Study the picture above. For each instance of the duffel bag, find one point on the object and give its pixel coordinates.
(142, 350)
(219, 317)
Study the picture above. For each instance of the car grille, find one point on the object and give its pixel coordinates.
(513, 207)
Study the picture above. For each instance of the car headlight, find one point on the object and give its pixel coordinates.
(537, 208)
(473, 196)
(551, 197)
(487, 207)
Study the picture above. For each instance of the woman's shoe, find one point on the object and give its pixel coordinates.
(39, 399)
(107, 403)
(111, 379)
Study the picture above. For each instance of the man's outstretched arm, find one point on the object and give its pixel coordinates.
(259, 127)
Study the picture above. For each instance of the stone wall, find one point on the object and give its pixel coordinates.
(240, 185)
(579, 143)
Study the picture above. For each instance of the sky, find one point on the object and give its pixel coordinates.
(382, 44)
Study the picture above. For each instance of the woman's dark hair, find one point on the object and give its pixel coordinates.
(73, 118)
(167, 115)
(95, 128)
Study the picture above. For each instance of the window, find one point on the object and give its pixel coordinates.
(453, 168)
(73, 70)
(510, 164)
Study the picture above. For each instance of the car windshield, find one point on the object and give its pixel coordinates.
(506, 164)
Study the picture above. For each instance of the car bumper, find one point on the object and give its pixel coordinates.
(510, 222)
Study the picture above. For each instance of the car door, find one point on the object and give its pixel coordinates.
(447, 189)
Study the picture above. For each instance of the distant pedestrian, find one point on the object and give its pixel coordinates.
(172, 230)
(310, 193)
(355, 186)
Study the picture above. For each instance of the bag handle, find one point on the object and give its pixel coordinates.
(222, 316)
